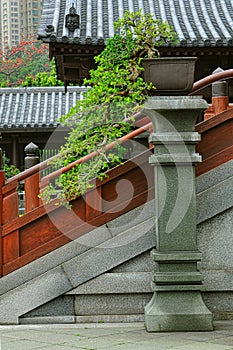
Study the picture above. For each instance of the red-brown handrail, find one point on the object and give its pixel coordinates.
(31, 171)
(91, 155)
(200, 84)
(45, 164)
(33, 184)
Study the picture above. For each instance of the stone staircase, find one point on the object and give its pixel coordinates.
(105, 275)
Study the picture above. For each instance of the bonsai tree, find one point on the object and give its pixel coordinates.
(117, 91)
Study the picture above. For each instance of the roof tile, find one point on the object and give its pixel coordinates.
(36, 107)
(195, 20)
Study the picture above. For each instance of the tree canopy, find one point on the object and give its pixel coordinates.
(27, 58)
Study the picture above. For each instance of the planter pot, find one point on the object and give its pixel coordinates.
(170, 75)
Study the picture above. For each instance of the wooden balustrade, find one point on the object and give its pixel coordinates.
(216, 130)
(47, 228)
(216, 145)
(43, 228)
(31, 189)
(202, 83)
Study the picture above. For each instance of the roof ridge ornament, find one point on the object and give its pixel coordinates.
(72, 19)
(49, 28)
(73, 10)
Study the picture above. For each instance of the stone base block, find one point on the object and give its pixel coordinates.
(47, 320)
(177, 311)
(111, 304)
(110, 318)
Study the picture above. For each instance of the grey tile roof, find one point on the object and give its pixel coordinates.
(197, 22)
(35, 107)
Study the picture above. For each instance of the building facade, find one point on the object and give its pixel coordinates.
(10, 29)
(30, 13)
(19, 18)
(204, 29)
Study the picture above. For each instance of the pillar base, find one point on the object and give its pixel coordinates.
(177, 311)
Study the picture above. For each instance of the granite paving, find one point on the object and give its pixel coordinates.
(114, 336)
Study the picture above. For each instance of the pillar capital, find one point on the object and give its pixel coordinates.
(174, 113)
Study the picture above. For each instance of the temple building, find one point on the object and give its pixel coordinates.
(77, 30)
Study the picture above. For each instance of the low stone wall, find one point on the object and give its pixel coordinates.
(215, 238)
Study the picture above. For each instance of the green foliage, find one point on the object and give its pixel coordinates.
(3, 82)
(43, 78)
(10, 170)
(117, 92)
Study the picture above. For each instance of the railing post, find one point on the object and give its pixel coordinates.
(2, 180)
(31, 158)
(31, 184)
(177, 304)
(220, 99)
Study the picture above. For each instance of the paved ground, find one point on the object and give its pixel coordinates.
(112, 337)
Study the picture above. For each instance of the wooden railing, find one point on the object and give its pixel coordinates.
(43, 229)
(202, 83)
(216, 145)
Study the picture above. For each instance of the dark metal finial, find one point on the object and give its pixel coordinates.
(72, 10)
(72, 19)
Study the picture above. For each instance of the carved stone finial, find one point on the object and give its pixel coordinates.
(31, 149)
(220, 87)
(31, 158)
(218, 70)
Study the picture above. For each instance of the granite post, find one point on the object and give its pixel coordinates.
(32, 157)
(177, 303)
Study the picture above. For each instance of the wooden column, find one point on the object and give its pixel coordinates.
(15, 150)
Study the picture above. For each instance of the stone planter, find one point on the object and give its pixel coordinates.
(170, 75)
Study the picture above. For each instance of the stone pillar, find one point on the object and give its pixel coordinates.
(177, 304)
(31, 158)
(220, 99)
